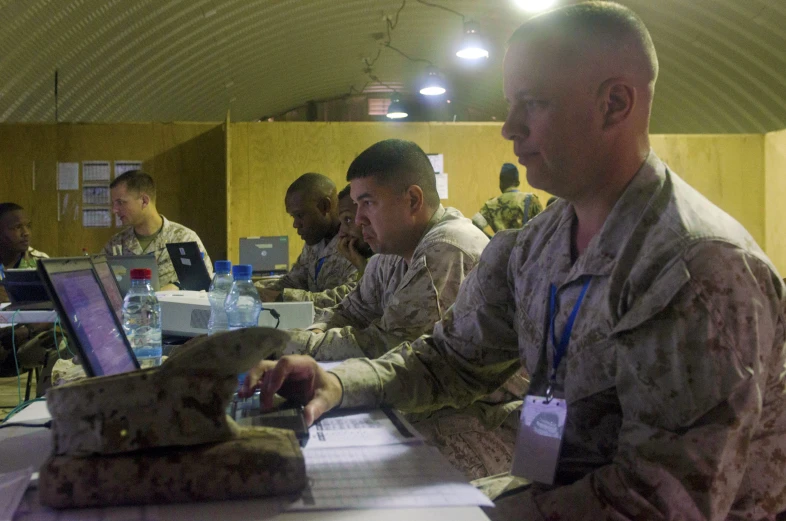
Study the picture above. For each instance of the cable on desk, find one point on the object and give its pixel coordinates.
(22, 406)
(47, 425)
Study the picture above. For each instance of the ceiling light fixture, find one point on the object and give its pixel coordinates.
(534, 6)
(473, 47)
(396, 108)
(433, 84)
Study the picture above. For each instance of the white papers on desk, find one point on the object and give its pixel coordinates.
(366, 429)
(390, 476)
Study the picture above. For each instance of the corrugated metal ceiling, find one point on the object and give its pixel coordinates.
(723, 62)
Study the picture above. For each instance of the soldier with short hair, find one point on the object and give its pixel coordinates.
(512, 209)
(134, 203)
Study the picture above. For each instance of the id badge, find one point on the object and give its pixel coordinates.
(539, 439)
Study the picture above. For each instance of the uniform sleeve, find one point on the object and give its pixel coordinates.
(472, 352)
(534, 207)
(321, 299)
(358, 327)
(479, 221)
(692, 379)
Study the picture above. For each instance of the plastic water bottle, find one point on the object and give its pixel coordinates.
(243, 304)
(142, 319)
(217, 294)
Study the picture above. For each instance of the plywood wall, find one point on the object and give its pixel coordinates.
(775, 189)
(727, 169)
(267, 157)
(187, 161)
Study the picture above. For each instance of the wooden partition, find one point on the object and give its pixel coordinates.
(266, 157)
(775, 184)
(187, 161)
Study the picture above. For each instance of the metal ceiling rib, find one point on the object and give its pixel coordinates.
(723, 62)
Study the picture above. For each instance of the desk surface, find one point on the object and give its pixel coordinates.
(21, 447)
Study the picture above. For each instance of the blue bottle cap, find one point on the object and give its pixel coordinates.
(223, 267)
(241, 271)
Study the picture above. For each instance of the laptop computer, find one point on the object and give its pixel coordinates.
(189, 266)
(25, 290)
(267, 255)
(108, 283)
(87, 317)
(123, 264)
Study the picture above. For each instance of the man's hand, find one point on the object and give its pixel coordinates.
(347, 247)
(268, 295)
(297, 378)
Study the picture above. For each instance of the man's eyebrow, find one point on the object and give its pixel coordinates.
(364, 195)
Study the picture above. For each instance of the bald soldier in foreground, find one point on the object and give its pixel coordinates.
(647, 312)
(312, 201)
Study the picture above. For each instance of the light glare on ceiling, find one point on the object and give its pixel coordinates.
(534, 6)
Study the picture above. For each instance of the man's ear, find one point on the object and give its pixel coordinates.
(145, 200)
(325, 205)
(415, 198)
(617, 101)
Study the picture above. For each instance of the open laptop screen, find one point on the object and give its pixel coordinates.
(110, 286)
(92, 322)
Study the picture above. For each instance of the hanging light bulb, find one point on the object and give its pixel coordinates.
(473, 47)
(433, 84)
(396, 108)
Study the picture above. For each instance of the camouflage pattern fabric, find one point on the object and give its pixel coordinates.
(258, 462)
(30, 260)
(303, 284)
(506, 211)
(395, 301)
(126, 243)
(674, 376)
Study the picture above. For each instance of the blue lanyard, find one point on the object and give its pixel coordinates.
(319, 268)
(561, 347)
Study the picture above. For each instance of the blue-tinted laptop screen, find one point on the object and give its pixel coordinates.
(92, 321)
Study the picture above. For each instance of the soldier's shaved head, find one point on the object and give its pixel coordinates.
(314, 185)
(603, 39)
(312, 201)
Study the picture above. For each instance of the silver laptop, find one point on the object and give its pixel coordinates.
(123, 264)
(267, 255)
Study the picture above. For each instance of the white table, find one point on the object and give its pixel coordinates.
(22, 447)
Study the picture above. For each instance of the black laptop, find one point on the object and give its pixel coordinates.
(25, 290)
(189, 265)
(87, 316)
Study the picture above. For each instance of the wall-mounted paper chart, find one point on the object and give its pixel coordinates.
(95, 171)
(121, 167)
(96, 218)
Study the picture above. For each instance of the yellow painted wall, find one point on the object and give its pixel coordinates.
(727, 169)
(183, 158)
(227, 185)
(775, 186)
(267, 157)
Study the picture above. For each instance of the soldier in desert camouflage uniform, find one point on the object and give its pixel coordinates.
(351, 246)
(674, 377)
(134, 203)
(424, 252)
(313, 204)
(513, 209)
